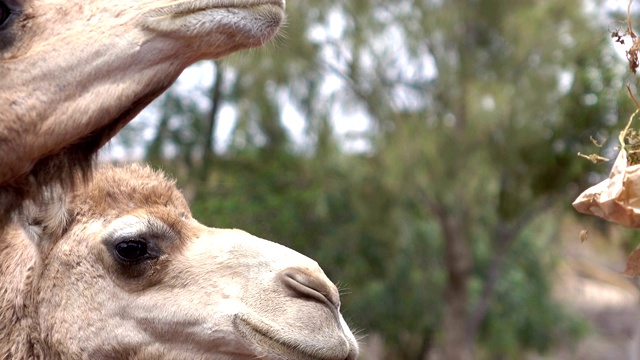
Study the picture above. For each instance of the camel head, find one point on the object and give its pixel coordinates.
(120, 270)
(74, 72)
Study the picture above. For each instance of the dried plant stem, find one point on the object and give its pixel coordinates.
(632, 97)
(623, 133)
(629, 28)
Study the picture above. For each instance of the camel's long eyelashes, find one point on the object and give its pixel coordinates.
(137, 250)
(136, 244)
(136, 256)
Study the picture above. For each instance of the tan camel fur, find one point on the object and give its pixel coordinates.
(113, 266)
(74, 72)
(119, 269)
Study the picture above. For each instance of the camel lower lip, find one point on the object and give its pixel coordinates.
(248, 327)
(283, 347)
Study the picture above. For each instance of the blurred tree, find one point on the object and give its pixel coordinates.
(476, 112)
(487, 141)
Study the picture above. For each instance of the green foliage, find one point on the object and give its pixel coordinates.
(268, 197)
(510, 327)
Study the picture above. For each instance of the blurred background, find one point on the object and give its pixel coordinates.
(424, 153)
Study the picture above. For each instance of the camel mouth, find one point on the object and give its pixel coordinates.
(176, 18)
(191, 7)
(281, 344)
(222, 26)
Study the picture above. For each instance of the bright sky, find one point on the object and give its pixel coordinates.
(347, 126)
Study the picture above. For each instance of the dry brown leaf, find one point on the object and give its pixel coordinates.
(633, 264)
(616, 199)
(584, 235)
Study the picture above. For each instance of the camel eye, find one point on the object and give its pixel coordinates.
(132, 251)
(5, 13)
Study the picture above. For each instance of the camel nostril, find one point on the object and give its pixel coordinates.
(304, 283)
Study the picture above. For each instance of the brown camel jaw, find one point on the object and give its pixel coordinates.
(73, 73)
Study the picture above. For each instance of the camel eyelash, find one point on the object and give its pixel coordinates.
(125, 238)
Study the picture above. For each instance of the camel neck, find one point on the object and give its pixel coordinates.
(19, 267)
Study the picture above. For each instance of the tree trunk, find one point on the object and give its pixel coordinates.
(504, 240)
(425, 348)
(458, 261)
(154, 149)
(209, 143)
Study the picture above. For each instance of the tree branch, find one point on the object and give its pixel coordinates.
(505, 235)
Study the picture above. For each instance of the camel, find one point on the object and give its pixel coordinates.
(74, 72)
(103, 262)
(119, 269)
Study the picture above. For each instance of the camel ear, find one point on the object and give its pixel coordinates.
(47, 217)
